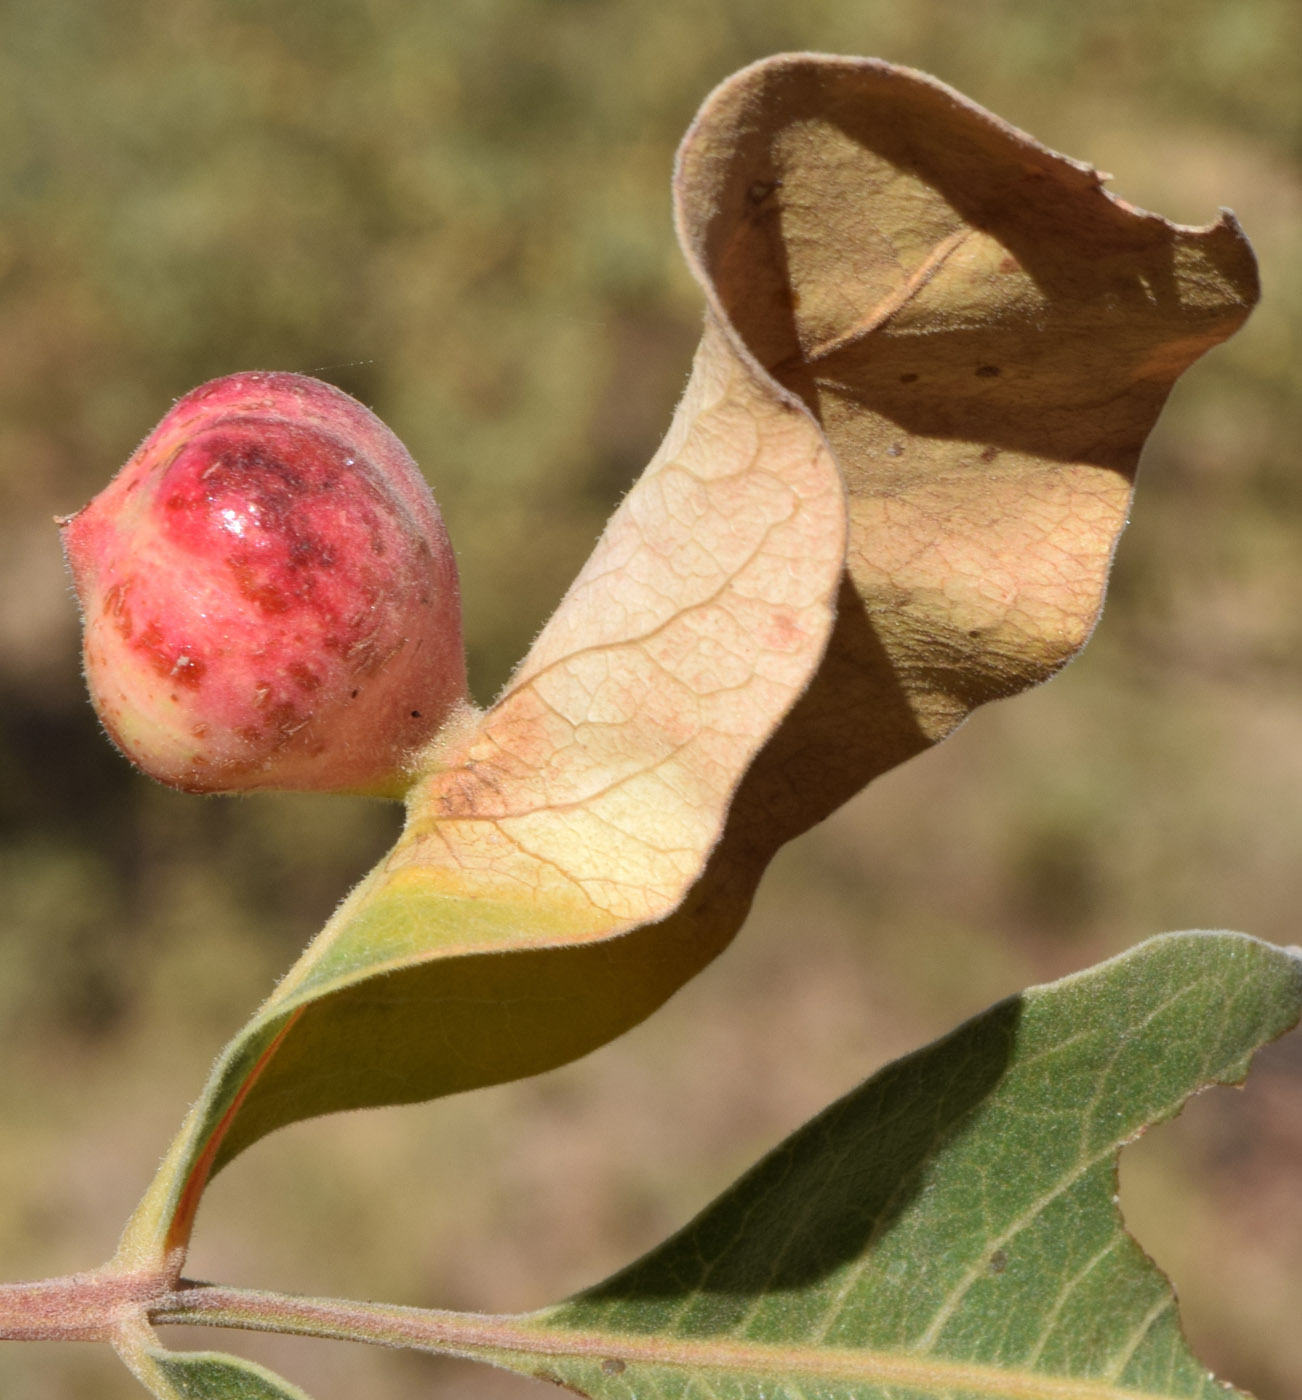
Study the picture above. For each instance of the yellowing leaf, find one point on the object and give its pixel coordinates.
(584, 804)
(932, 352)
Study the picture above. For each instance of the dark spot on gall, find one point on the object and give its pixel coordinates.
(262, 595)
(165, 661)
(896, 449)
(285, 719)
(352, 694)
(760, 190)
(188, 671)
(988, 454)
(998, 1262)
(909, 378)
(115, 605)
(308, 550)
(987, 372)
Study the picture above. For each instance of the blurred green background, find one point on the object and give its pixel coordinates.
(459, 212)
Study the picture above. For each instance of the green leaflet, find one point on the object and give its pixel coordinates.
(950, 1228)
(209, 1375)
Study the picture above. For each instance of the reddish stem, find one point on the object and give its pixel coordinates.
(87, 1307)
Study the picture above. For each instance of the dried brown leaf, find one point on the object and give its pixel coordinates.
(900, 285)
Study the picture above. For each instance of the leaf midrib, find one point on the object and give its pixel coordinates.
(925, 1374)
(516, 1341)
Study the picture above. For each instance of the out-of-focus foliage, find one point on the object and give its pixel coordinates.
(459, 212)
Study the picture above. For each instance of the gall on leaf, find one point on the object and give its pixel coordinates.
(269, 596)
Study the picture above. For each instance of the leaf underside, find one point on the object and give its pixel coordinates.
(208, 1375)
(891, 492)
(950, 1228)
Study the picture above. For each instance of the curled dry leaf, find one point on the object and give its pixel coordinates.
(986, 337)
(932, 352)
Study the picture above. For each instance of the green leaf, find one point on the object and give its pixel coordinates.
(892, 490)
(206, 1375)
(951, 1227)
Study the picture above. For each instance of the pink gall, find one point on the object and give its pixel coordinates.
(269, 596)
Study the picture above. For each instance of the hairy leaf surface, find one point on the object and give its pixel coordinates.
(891, 492)
(206, 1375)
(950, 1228)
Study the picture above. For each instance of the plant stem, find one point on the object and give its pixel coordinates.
(111, 1306)
(382, 1324)
(88, 1307)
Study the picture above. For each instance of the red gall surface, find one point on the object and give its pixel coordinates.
(268, 594)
